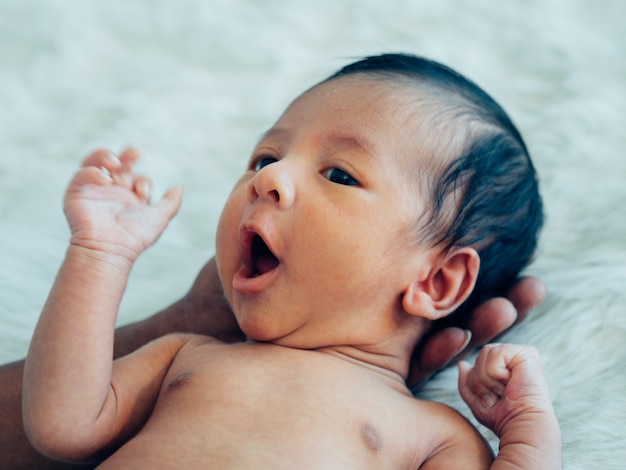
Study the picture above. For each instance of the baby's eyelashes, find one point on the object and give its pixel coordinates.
(334, 174)
(337, 175)
(261, 162)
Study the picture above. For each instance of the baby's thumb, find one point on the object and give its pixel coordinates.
(170, 203)
(464, 369)
(476, 395)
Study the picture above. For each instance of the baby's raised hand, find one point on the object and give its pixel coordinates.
(506, 383)
(108, 207)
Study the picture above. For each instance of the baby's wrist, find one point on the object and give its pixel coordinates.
(534, 436)
(100, 259)
(539, 417)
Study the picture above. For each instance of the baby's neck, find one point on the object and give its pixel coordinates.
(391, 368)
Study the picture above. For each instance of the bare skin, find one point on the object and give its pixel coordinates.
(99, 406)
(508, 392)
(203, 310)
(252, 414)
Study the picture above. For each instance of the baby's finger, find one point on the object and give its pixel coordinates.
(467, 384)
(123, 176)
(128, 157)
(496, 358)
(464, 388)
(473, 390)
(91, 175)
(491, 370)
(103, 158)
(143, 187)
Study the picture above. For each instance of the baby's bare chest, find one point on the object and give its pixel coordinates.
(246, 405)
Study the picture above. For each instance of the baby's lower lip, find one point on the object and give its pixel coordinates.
(246, 283)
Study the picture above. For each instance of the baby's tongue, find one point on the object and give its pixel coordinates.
(265, 263)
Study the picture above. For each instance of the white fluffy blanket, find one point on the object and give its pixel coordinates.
(193, 83)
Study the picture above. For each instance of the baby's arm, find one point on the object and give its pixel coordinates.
(508, 392)
(68, 398)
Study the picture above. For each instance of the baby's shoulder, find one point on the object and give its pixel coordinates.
(453, 441)
(183, 344)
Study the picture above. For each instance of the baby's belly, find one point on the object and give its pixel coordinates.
(259, 415)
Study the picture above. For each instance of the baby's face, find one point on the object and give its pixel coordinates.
(316, 242)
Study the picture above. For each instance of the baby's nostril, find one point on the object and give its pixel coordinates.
(275, 194)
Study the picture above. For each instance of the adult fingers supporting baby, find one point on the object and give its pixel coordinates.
(495, 316)
(525, 295)
(490, 319)
(436, 352)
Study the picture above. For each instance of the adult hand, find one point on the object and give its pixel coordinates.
(488, 321)
(206, 310)
(203, 310)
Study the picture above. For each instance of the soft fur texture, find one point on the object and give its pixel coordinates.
(194, 83)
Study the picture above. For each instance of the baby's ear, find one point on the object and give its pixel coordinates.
(449, 282)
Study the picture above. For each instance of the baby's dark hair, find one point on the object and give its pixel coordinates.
(487, 197)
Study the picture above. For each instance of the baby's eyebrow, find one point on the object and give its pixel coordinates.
(337, 142)
(274, 132)
(331, 142)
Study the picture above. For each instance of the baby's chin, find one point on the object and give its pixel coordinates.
(266, 335)
(256, 329)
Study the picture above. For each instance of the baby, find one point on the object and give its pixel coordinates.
(384, 198)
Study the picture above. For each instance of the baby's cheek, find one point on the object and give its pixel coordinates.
(227, 242)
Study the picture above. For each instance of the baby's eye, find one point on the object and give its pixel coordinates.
(263, 162)
(340, 177)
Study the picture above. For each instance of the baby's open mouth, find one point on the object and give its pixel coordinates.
(262, 260)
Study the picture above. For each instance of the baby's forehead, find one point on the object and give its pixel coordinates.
(417, 106)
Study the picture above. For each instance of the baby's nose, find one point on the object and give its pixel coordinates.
(273, 183)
